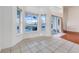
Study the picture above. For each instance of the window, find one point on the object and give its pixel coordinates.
(30, 23)
(43, 26)
(18, 21)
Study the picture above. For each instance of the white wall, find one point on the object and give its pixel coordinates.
(54, 10)
(72, 19)
(1, 22)
(65, 17)
(6, 26)
(8, 36)
(15, 36)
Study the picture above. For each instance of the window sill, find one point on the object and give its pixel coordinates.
(31, 32)
(18, 34)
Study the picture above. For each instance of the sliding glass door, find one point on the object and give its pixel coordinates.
(55, 24)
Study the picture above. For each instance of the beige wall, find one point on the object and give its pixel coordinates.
(71, 17)
(65, 16)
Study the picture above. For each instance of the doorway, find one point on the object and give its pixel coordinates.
(55, 25)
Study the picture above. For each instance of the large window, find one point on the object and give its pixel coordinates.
(18, 20)
(43, 26)
(30, 22)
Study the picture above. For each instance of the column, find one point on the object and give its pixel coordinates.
(48, 24)
(39, 24)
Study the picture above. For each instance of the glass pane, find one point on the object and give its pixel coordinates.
(34, 21)
(17, 21)
(55, 24)
(31, 23)
(43, 18)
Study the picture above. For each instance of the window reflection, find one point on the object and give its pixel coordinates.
(31, 23)
(43, 26)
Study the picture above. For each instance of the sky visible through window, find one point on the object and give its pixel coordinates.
(31, 22)
(43, 26)
(31, 19)
(43, 19)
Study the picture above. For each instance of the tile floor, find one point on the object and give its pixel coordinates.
(43, 45)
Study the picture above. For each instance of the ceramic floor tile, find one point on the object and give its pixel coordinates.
(52, 48)
(32, 45)
(34, 49)
(43, 45)
(40, 47)
(75, 49)
(25, 49)
(64, 47)
(57, 44)
(45, 50)
(16, 49)
(60, 51)
(6, 51)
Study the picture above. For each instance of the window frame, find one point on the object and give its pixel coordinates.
(42, 22)
(31, 14)
(20, 21)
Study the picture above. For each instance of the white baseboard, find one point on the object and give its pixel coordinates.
(0, 49)
(59, 35)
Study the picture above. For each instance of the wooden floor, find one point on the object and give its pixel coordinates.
(74, 37)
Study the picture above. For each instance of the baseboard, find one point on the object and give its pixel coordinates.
(72, 32)
(0, 49)
(58, 35)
